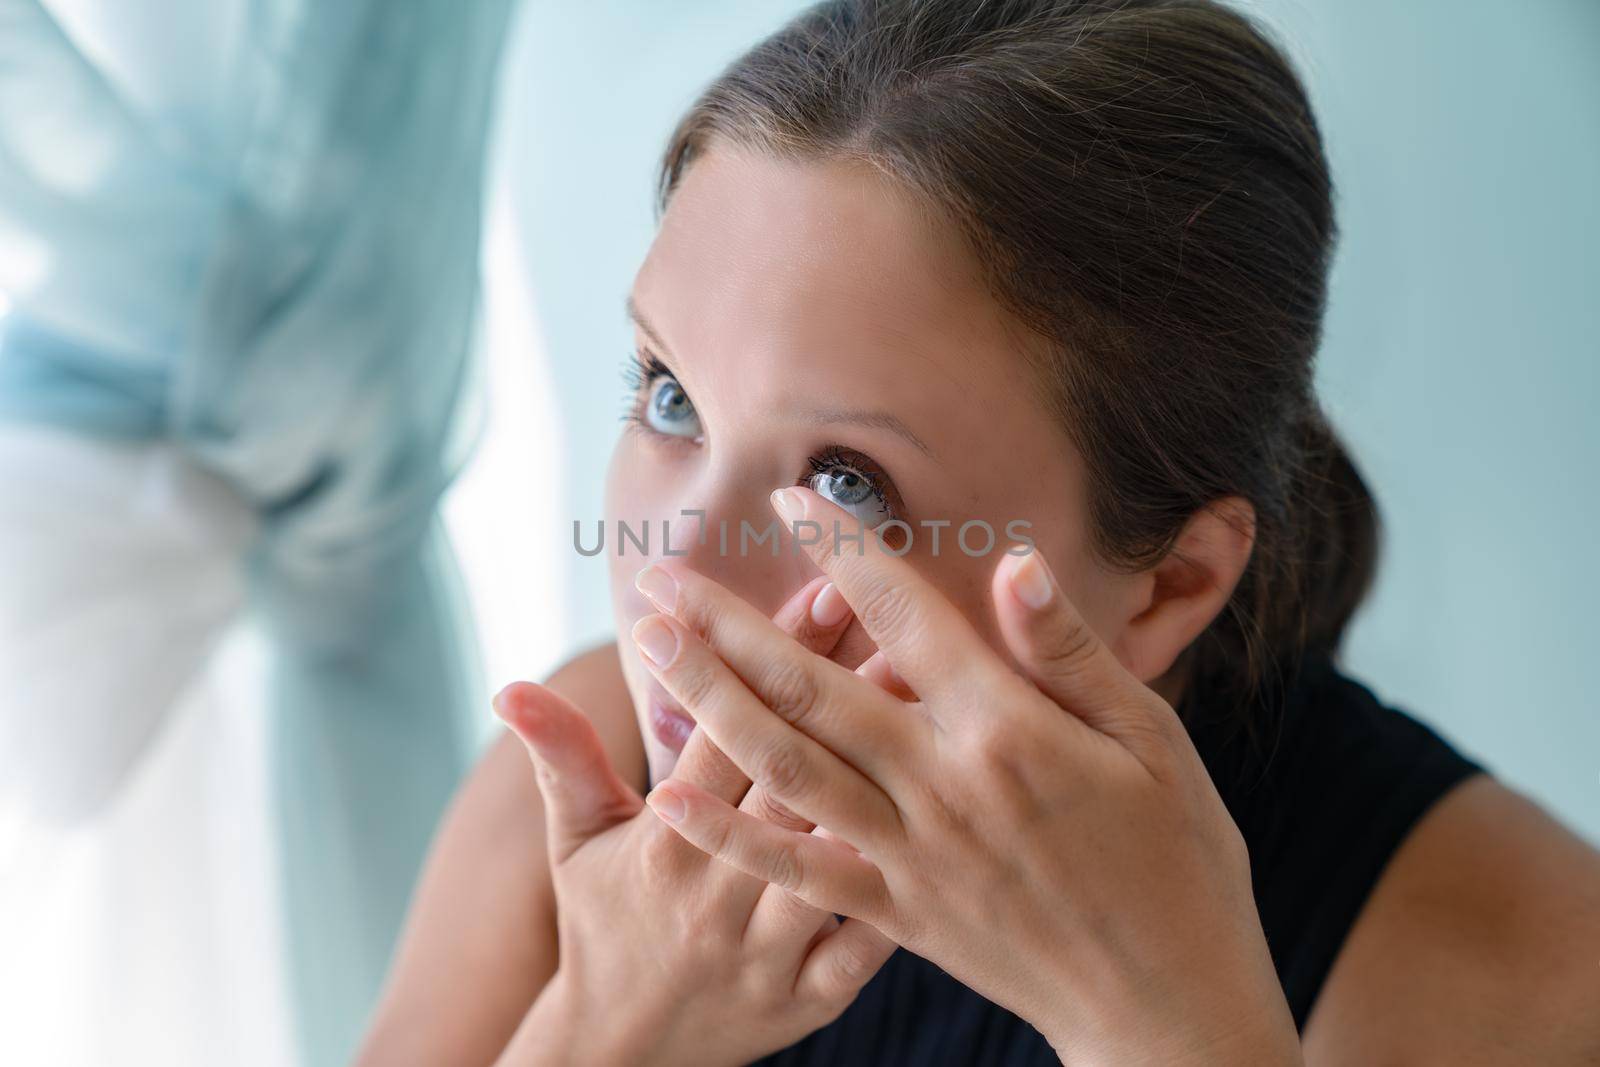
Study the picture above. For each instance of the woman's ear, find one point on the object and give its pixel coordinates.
(1178, 598)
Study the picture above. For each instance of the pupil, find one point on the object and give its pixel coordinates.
(848, 487)
(669, 401)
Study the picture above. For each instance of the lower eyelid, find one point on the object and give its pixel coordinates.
(672, 440)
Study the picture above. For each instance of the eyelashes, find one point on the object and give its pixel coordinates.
(638, 371)
(824, 466)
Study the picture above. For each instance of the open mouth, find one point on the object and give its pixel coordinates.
(669, 722)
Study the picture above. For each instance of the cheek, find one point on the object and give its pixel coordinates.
(969, 592)
(963, 579)
(968, 581)
(1099, 596)
(630, 488)
(636, 494)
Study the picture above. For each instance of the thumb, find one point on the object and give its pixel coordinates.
(1057, 649)
(583, 795)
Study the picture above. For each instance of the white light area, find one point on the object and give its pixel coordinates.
(58, 135)
(138, 888)
(502, 513)
(161, 58)
(25, 261)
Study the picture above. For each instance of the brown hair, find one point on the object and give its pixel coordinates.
(1144, 184)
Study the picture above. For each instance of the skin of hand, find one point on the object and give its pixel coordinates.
(667, 956)
(1044, 832)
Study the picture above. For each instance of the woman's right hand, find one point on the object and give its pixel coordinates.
(666, 955)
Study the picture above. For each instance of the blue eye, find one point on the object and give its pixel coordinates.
(853, 490)
(668, 409)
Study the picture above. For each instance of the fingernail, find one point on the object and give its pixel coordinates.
(656, 640)
(829, 608)
(666, 803)
(788, 504)
(1030, 583)
(501, 701)
(659, 585)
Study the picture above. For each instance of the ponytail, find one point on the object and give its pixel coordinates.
(1339, 531)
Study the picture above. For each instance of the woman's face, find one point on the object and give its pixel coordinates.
(806, 323)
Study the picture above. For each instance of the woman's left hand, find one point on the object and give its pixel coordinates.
(1052, 841)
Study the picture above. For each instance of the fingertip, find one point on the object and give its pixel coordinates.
(509, 702)
(788, 503)
(1028, 579)
(829, 608)
(657, 638)
(668, 803)
(797, 609)
(658, 583)
(530, 711)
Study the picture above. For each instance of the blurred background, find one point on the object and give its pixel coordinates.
(177, 906)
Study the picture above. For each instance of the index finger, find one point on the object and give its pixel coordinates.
(706, 765)
(929, 642)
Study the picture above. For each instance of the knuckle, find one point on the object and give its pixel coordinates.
(697, 611)
(987, 744)
(782, 770)
(851, 967)
(785, 867)
(998, 755)
(765, 808)
(718, 836)
(1154, 745)
(1158, 740)
(789, 690)
(694, 680)
(1167, 725)
(886, 609)
(1071, 644)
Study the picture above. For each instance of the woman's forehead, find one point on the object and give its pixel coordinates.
(773, 273)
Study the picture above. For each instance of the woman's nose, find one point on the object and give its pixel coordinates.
(742, 545)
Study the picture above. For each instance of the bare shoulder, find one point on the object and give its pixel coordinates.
(1479, 944)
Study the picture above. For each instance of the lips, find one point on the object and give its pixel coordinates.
(670, 723)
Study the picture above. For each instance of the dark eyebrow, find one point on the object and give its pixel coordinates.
(882, 420)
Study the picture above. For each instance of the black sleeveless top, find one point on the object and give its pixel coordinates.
(1323, 796)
